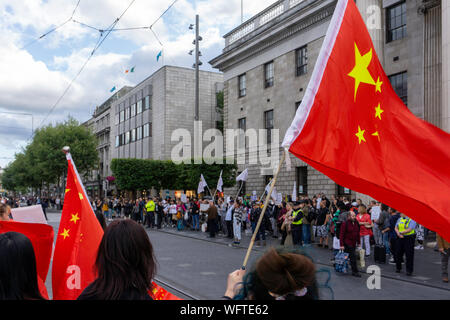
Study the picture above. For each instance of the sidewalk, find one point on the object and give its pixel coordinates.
(427, 262)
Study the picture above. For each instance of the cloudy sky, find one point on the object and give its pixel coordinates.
(35, 73)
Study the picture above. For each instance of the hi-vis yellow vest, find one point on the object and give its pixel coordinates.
(295, 215)
(403, 224)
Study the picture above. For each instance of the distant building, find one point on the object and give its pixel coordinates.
(268, 60)
(138, 122)
(146, 117)
(100, 125)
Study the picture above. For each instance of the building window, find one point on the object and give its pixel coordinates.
(127, 113)
(147, 103)
(242, 85)
(122, 116)
(147, 130)
(302, 180)
(268, 125)
(133, 110)
(399, 82)
(127, 137)
(138, 133)
(342, 191)
(117, 141)
(396, 22)
(139, 107)
(133, 135)
(268, 75)
(242, 125)
(301, 61)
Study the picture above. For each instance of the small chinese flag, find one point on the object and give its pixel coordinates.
(41, 237)
(159, 293)
(353, 127)
(77, 242)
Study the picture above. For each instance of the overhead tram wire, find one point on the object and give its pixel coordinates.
(54, 29)
(98, 44)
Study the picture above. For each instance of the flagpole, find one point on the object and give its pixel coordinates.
(266, 202)
(239, 189)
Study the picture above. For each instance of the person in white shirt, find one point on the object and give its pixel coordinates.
(229, 219)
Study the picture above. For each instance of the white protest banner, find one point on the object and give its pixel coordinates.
(204, 206)
(183, 198)
(31, 214)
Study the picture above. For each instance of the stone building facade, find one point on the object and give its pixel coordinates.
(145, 118)
(268, 61)
(100, 125)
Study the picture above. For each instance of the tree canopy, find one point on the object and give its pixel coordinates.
(43, 162)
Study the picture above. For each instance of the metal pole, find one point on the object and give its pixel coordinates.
(266, 202)
(197, 60)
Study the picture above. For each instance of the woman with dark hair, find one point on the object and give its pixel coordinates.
(277, 275)
(18, 274)
(125, 264)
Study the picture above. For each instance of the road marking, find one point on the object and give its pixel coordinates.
(165, 258)
(207, 273)
(184, 265)
(422, 278)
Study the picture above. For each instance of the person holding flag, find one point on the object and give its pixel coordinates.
(41, 237)
(19, 279)
(82, 256)
(125, 264)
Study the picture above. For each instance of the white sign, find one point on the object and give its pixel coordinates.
(279, 199)
(183, 198)
(31, 214)
(204, 206)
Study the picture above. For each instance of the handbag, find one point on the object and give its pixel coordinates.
(341, 262)
(362, 261)
(336, 243)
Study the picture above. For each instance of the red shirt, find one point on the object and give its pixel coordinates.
(363, 231)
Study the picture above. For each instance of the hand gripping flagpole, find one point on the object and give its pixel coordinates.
(266, 202)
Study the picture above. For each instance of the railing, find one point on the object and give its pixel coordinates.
(260, 19)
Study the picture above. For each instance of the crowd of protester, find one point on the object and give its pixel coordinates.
(336, 224)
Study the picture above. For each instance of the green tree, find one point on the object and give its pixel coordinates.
(139, 174)
(43, 162)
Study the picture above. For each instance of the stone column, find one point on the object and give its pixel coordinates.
(372, 13)
(446, 65)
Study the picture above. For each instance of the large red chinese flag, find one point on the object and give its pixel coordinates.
(352, 127)
(41, 237)
(77, 242)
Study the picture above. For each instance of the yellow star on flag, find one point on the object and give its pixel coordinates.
(67, 190)
(65, 233)
(378, 111)
(75, 218)
(81, 196)
(376, 134)
(378, 85)
(360, 135)
(360, 72)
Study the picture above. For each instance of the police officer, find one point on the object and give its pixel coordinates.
(150, 216)
(296, 225)
(405, 229)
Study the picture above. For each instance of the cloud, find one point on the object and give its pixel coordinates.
(33, 79)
